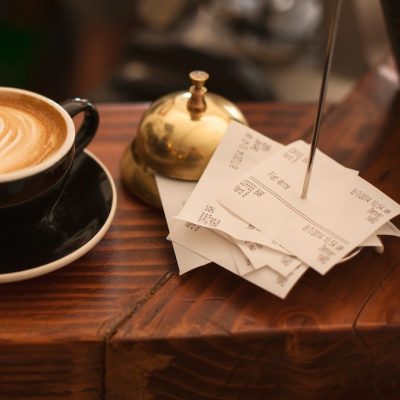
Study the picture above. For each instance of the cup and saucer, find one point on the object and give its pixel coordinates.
(75, 226)
(55, 211)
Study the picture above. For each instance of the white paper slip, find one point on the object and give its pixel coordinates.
(340, 212)
(204, 242)
(261, 256)
(275, 283)
(268, 279)
(279, 262)
(388, 229)
(240, 149)
(173, 194)
(371, 241)
(294, 159)
(357, 221)
(208, 243)
(243, 264)
(283, 264)
(375, 242)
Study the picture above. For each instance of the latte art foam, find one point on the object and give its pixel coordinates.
(26, 139)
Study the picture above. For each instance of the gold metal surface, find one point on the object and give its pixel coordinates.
(138, 179)
(177, 136)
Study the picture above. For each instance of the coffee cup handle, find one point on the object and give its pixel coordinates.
(90, 122)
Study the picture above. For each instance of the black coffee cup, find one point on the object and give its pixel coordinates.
(28, 194)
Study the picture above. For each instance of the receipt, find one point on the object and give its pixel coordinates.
(388, 229)
(258, 255)
(173, 194)
(268, 279)
(277, 260)
(206, 242)
(240, 149)
(246, 213)
(341, 211)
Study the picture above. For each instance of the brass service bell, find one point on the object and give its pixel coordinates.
(177, 136)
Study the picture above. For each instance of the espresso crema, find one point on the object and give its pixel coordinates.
(30, 131)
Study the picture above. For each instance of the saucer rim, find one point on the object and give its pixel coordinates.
(73, 256)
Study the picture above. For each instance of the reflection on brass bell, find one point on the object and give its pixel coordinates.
(176, 138)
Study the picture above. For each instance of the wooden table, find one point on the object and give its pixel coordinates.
(121, 324)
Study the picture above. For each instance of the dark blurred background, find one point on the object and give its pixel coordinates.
(124, 50)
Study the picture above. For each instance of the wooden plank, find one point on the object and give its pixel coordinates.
(210, 334)
(71, 369)
(53, 328)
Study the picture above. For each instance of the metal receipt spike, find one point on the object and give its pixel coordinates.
(327, 68)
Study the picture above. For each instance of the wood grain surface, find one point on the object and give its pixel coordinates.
(53, 329)
(121, 324)
(210, 335)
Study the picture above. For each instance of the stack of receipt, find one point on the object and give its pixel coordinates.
(246, 214)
